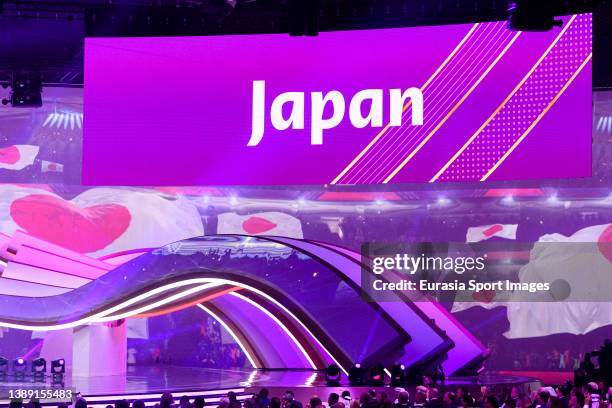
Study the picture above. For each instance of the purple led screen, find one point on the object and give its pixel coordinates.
(497, 105)
(414, 216)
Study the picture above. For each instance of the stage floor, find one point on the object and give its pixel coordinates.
(159, 378)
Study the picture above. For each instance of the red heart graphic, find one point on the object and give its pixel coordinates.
(257, 225)
(63, 223)
(604, 243)
(484, 296)
(9, 155)
(492, 230)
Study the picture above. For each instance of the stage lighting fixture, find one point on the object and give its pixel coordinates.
(26, 90)
(39, 366)
(529, 15)
(377, 374)
(4, 366)
(29, 100)
(58, 366)
(333, 375)
(414, 374)
(398, 375)
(19, 367)
(356, 375)
(19, 364)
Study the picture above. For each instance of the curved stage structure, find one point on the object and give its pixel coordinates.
(288, 303)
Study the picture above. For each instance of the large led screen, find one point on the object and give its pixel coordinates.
(473, 102)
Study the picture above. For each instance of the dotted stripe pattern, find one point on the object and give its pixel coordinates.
(441, 95)
(526, 105)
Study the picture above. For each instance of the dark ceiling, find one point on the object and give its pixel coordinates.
(48, 35)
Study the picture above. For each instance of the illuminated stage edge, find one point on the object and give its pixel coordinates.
(146, 383)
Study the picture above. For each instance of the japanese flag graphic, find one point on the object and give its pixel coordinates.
(484, 232)
(579, 269)
(99, 221)
(51, 167)
(17, 157)
(265, 223)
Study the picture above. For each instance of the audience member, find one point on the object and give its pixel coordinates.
(122, 404)
(288, 400)
(491, 402)
(568, 395)
(434, 401)
(576, 399)
(402, 400)
(541, 398)
(420, 399)
(199, 402)
(450, 400)
(166, 400)
(184, 402)
(467, 401)
(484, 393)
(365, 399)
(262, 399)
(80, 403)
(554, 402)
(592, 395)
(315, 402)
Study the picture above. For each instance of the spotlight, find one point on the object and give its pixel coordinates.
(398, 375)
(604, 124)
(508, 200)
(356, 375)
(64, 120)
(377, 375)
(443, 201)
(19, 364)
(553, 200)
(19, 367)
(333, 375)
(39, 366)
(58, 366)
